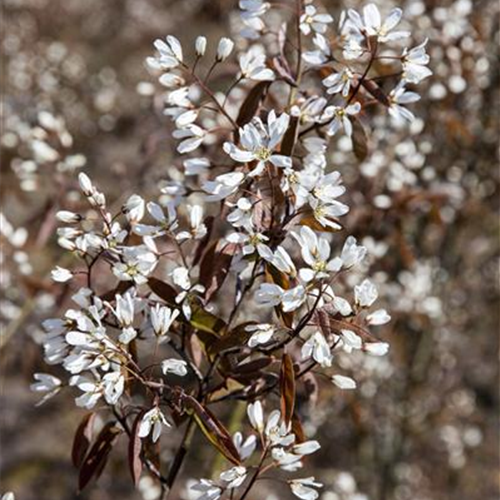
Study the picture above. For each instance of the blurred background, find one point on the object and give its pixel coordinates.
(424, 423)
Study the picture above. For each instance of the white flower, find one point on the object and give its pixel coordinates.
(321, 55)
(326, 213)
(276, 432)
(371, 23)
(197, 228)
(8, 496)
(169, 54)
(196, 166)
(293, 298)
(234, 477)
(111, 386)
(192, 136)
(223, 186)
(306, 448)
(262, 334)
(61, 275)
(68, 217)
(200, 46)
(208, 490)
(153, 420)
(134, 208)
(139, 263)
(245, 447)
(175, 366)
(316, 253)
(251, 13)
(378, 317)
(45, 383)
(350, 341)
(259, 141)
(310, 20)
(164, 223)
(224, 49)
(352, 253)
(304, 488)
(415, 64)
(397, 98)
(339, 82)
(256, 416)
(317, 347)
(253, 65)
(162, 318)
(340, 117)
(377, 348)
(344, 383)
(365, 294)
(242, 215)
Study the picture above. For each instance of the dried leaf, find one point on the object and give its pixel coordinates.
(287, 388)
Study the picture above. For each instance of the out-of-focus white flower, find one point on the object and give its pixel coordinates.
(152, 421)
(344, 383)
(61, 275)
(365, 294)
(234, 477)
(224, 49)
(175, 366)
(377, 348)
(208, 490)
(310, 20)
(197, 228)
(321, 55)
(68, 217)
(352, 253)
(304, 488)
(317, 347)
(378, 317)
(223, 185)
(134, 208)
(262, 334)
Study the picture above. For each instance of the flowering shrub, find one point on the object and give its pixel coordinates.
(241, 280)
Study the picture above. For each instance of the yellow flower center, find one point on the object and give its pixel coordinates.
(263, 154)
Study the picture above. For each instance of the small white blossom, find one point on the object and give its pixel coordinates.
(175, 366)
(344, 383)
(317, 347)
(152, 421)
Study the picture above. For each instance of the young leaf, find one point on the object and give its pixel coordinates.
(97, 457)
(82, 439)
(287, 388)
(359, 140)
(163, 290)
(214, 268)
(213, 429)
(251, 103)
(373, 88)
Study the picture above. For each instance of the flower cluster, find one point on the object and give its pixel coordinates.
(193, 299)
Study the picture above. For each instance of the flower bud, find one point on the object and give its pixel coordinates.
(201, 46)
(224, 49)
(68, 217)
(85, 184)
